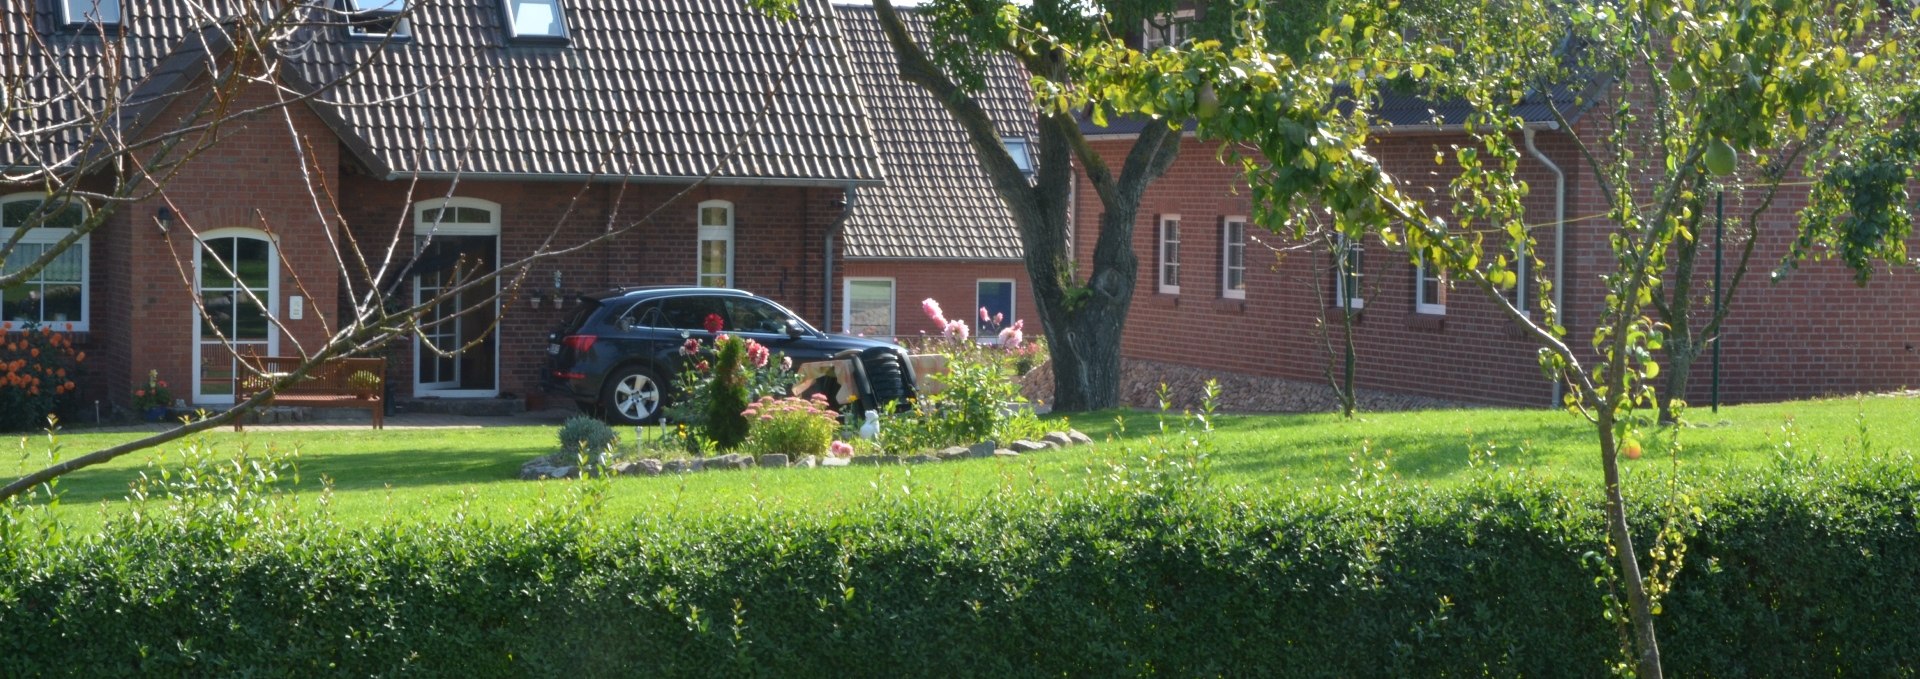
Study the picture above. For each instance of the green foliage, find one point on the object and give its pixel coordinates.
(980, 401)
(790, 426)
(1150, 566)
(37, 371)
(588, 437)
(726, 395)
(365, 382)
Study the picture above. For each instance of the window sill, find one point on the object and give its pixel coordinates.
(1231, 305)
(1425, 321)
(1161, 300)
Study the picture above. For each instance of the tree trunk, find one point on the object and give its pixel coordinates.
(1640, 607)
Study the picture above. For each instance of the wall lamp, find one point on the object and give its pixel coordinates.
(164, 218)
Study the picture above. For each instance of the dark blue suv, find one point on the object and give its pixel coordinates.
(618, 352)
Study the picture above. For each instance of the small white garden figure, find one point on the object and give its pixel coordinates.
(871, 430)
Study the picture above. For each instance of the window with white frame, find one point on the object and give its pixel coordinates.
(78, 13)
(531, 20)
(1347, 273)
(1165, 29)
(56, 295)
(716, 244)
(994, 300)
(1169, 259)
(1233, 258)
(1429, 288)
(377, 18)
(869, 310)
(1021, 152)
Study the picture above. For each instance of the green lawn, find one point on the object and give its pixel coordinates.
(403, 474)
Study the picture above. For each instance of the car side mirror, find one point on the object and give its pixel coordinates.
(795, 330)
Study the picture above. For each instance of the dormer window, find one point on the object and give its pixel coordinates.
(535, 20)
(85, 13)
(377, 18)
(1165, 30)
(1022, 157)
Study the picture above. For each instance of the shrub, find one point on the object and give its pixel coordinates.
(586, 436)
(37, 371)
(726, 395)
(794, 426)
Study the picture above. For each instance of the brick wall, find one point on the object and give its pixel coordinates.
(1812, 334)
(142, 303)
(952, 283)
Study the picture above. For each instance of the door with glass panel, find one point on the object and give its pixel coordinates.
(237, 291)
(455, 350)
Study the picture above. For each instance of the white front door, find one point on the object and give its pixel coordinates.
(237, 282)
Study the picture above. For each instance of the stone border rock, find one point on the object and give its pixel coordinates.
(558, 466)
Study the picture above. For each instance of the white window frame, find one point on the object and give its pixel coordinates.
(1013, 303)
(511, 7)
(1422, 305)
(1021, 151)
(1354, 252)
(84, 13)
(893, 304)
(272, 299)
(1169, 284)
(716, 232)
(45, 235)
(1228, 245)
(357, 18)
(1175, 25)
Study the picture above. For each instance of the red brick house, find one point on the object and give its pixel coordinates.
(452, 134)
(1217, 294)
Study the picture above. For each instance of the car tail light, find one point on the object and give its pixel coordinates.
(579, 343)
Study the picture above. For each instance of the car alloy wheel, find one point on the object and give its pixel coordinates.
(633, 396)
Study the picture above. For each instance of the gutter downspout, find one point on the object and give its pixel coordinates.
(833, 232)
(1559, 235)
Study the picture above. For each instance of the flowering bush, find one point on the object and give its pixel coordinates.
(795, 426)
(37, 371)
(719, 382)
(153, 394)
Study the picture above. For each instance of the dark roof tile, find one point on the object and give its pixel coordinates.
(937, 201)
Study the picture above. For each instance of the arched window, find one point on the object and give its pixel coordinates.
(56, 295)
(716, 244)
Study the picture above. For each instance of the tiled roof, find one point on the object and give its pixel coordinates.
(648, 89)
(937, 202)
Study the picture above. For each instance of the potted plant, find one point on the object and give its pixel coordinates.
(152, 399)
(364, 384)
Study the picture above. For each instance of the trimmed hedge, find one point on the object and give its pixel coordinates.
(1806, 573)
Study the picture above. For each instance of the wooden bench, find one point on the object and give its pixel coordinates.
(325, 386)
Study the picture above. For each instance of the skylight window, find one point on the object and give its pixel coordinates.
(102, 13)
(377, 18)
(1022, 157)
(535, 20)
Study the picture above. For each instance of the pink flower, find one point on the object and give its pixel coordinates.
(786, 363)
(757, 354)
(999, 318)
(840, 449)
(983, 315)
(933, 311)
(956, 329)
(722, 337)
(691, 347)
(1012, 338)
(715, 323)
(1019, 325)
(701, 366)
